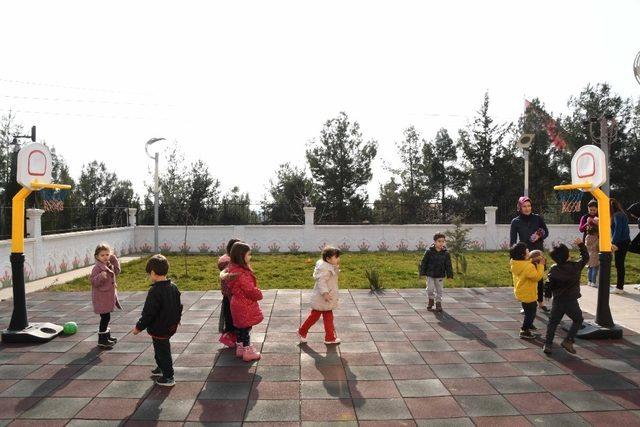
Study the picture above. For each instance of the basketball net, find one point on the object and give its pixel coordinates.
(53, 200)
(571, 201)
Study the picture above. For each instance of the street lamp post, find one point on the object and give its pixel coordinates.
(156, 189)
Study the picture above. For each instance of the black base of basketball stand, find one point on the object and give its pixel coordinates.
(20, 331)
(603, 328)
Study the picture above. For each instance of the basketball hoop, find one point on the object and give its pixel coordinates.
(53, 199)
(571, 200)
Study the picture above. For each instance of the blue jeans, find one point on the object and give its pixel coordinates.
(592, 274)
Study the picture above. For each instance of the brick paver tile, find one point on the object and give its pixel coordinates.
(262, 390)
(558, 420)
(506, 421)
(500, 369)
(225, 391)
(127, 389)
(56, 408)
(163, 410)
(11, 407)
(109, 409)
(32, 388)
(446, 422)
(422, 388)
(411, 372)
(381, 409)
(373, 389)
(554, 383)
(326, 373)
(486, 406)
(537, 403)
(525, 355)
(409, 358)
(232, 373)
(442, 357)
(612, 418)
(183, 390)
(434, 407)
(468, 386)
(361, 359)
(324, 390)
(587, 401)
(456, 370)
(628, 399)
(611, 381)
(328, 410)
(487, 356)
(204, 411)
(272, 410)
(506, 385)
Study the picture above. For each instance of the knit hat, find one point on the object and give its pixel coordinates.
(521, 201)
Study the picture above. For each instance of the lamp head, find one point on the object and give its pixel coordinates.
(151, 142)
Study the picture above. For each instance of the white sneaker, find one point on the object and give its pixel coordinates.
(335, 341)
(618, 291)
(302, 339)
(593, 285)
(637, 287)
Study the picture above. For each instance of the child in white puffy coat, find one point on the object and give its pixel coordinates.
(324, 298)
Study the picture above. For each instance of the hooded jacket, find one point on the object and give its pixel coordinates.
(526, 276)
(563, 280)
(104, 294)
(326, 277)
(245, 295)
(436, 263)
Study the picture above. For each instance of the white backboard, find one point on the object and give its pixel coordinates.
(588, 165)
(34, 164)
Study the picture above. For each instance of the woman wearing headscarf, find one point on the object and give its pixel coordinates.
(530, 229)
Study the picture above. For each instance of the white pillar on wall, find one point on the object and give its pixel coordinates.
(309, 229)
(491, 232)
(132, 217)
(34, 231)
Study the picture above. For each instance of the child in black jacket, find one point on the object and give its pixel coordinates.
(436, 265)
(563, 282)
(160, 317)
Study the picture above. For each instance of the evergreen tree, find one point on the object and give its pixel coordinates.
(287, 194)
(340, 164)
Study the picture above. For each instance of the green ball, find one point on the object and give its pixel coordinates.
(70, 328)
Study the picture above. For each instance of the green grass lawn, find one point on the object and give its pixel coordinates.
(293, 271)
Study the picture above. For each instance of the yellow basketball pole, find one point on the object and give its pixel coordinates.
(17, 220)
(17, 213)
(603, 311)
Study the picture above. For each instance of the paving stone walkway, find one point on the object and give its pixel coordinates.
(398, 365)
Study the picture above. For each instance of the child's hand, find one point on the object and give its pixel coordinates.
(327, 296)
(135, 331)
(578, 241)
(104, 275)
(543, 261)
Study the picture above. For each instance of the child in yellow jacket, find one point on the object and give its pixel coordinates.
(526, 276)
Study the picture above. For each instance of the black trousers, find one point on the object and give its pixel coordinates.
(244, 336)
(529, 314)
(559, 308)
(162, 350)
(226, 321)
(541, 290)
(105, 318)
(619, 257)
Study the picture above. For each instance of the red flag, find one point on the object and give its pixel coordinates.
(550, 125)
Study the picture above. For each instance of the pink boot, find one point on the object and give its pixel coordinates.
(228, 339)
(239, 350)
(250, 354)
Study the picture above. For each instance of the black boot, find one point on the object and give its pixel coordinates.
(439, 307)
(111, 339)
(430, 305)
(103, 340)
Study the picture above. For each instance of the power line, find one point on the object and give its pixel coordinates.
(95, 101)
(23, 82)
(94, 116)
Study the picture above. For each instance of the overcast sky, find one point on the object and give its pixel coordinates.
(245, 85)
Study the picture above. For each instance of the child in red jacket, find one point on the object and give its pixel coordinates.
(225, 325)
(245, 295)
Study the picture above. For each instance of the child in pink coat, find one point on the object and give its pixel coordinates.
(103, 291)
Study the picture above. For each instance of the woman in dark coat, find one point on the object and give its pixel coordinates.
(621, 238)
(530, 229)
